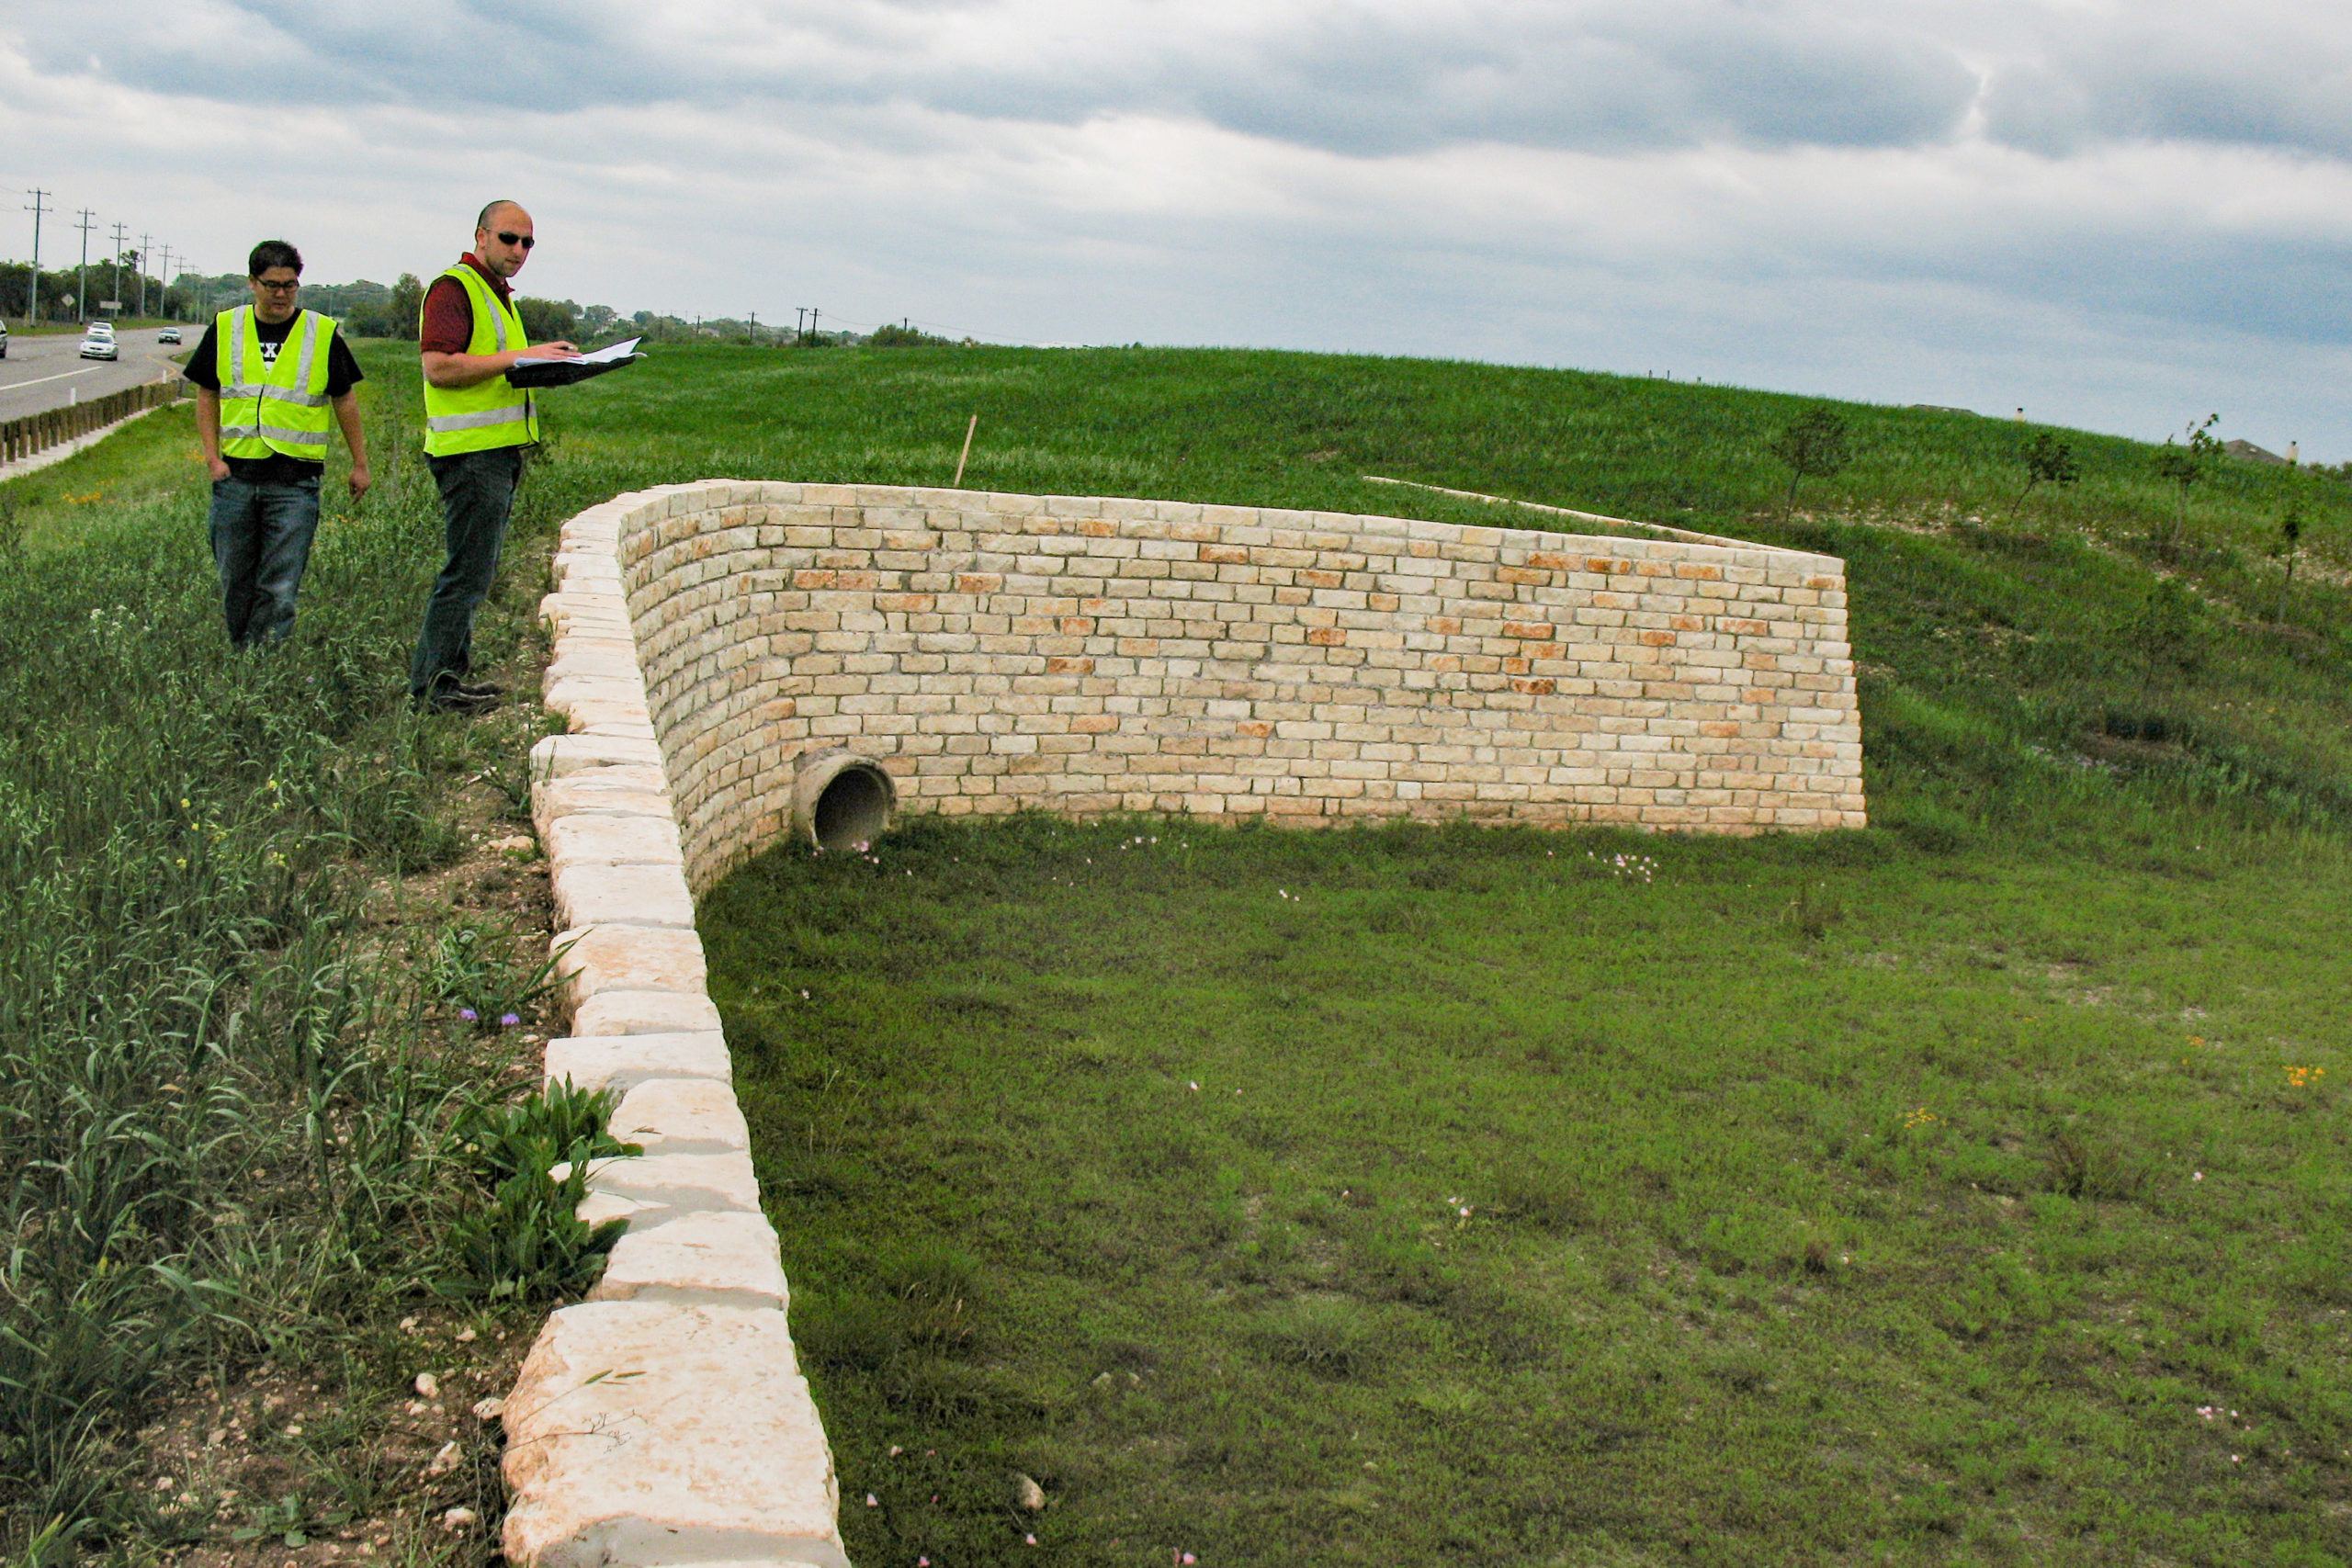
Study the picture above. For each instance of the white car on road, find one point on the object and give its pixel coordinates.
(98, 345)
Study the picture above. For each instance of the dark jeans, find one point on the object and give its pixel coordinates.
(477, 493)
(261, 543)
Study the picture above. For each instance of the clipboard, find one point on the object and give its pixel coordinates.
(528, 373)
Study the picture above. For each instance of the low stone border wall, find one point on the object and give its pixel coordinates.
(665, 1420)
(1081, 655)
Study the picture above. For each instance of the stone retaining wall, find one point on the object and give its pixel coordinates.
(1085, 656)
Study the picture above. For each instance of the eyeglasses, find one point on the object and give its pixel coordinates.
(288, 286)
(523, 239)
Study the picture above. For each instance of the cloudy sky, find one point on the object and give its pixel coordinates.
(2121, 214)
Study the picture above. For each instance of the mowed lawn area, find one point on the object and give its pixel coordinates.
(1419, 1196)
(1969, 1190)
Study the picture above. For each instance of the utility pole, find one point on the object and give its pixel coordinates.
(32, 301)
(119, 236)
(81, 278)
(164, 278)
(799, 324)
(145, 242)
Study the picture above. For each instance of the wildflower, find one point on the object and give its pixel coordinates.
(2196, 1175)
(509, 1020)
(469, 1015)
(871, 1502)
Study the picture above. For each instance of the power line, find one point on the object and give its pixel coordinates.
(81, 278)
(32, 298)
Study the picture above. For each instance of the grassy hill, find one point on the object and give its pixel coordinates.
(1972, 1188)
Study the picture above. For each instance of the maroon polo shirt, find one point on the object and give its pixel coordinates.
(448, 325)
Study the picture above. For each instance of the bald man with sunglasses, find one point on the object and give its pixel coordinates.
(477, 426)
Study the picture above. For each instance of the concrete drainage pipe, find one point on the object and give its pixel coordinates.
(841, 801)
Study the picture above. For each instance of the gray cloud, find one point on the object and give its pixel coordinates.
(1361, 79)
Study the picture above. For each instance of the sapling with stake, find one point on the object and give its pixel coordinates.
(2291, 530)
(2184, 466)
(1814, 445)
(2048, 461)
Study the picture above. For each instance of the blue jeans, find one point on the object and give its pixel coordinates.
(477, 494)
(261, 543)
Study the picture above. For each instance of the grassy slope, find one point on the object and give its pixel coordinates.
(1829, 1199)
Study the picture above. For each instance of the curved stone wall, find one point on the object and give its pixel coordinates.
(1079, 655)
(1092, 656)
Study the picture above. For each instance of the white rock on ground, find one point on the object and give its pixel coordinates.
(621, 1062)
(644, 1434)
(597, 959)
(716, 1260)
(644, 1012)
(588, 894)
(613, 841)
(681, 1181)
(682, 1116)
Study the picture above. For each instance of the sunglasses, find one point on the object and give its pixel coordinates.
(523, 239)
(276, 288)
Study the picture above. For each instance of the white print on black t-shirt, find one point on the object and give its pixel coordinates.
(269, 350)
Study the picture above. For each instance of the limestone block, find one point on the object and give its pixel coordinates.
(591, 894)
(686, 1182)
(715, 1258)
(619, 1012)
(622, 1062)
(559, 755)
(597, 790)
(596, 959)
(682, 1116)
(642, 1433)
(582, 839)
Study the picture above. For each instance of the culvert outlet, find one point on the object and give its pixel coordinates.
(841, 801)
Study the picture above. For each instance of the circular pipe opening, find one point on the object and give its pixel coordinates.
(842, 802)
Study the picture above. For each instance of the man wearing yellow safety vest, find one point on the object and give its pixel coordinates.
(268, 377)
(475, 427)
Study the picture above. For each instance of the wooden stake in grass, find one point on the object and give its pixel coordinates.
(958, 482)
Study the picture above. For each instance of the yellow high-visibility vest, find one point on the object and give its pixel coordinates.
(273, 406)
(488, 413)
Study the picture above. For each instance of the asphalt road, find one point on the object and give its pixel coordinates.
(46, 372)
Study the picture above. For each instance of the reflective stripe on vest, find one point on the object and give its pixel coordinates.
(286, 408)
(488, 413)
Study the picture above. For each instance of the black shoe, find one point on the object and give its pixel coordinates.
(481, 688)
(456, 699)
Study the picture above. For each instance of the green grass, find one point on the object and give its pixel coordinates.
(1420, 1195)
(1829, 1200)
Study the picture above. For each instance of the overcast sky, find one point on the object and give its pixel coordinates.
(2121, 214)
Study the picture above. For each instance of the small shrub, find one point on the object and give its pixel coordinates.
(1329, 1336)
(1816, 445)
(533, 1157)
(2081, 1167)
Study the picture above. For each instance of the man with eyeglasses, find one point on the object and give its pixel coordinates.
(477, 425)
(269, 376)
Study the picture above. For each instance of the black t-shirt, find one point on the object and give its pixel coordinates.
(342, 374)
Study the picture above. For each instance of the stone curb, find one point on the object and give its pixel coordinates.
(665, 1420)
